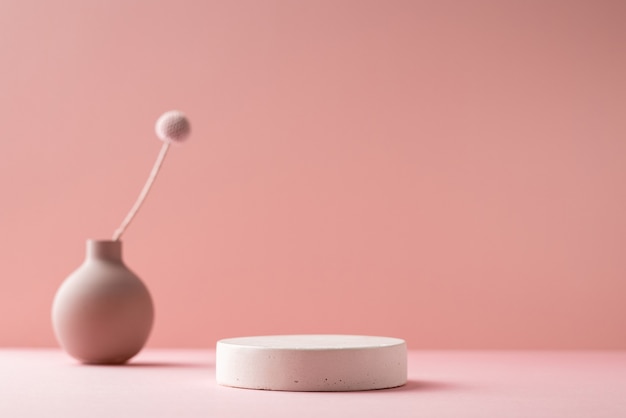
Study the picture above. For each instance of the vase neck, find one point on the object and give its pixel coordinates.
(104, 249)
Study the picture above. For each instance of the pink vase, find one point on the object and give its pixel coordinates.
(102, 313)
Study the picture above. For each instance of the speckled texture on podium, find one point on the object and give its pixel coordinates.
(310, 363)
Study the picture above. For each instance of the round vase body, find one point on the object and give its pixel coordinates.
(102, 313)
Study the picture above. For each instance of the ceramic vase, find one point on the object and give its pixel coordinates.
(102, 313)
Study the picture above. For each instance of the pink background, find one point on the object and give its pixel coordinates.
(449, 172)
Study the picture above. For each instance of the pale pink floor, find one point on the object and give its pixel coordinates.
(181, 383)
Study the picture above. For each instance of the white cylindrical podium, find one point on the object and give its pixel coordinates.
(311, 362)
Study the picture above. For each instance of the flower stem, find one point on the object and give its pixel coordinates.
(144, 192)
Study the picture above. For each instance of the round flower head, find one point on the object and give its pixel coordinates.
(172, 126)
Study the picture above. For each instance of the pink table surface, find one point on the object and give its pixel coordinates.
(181, 383)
